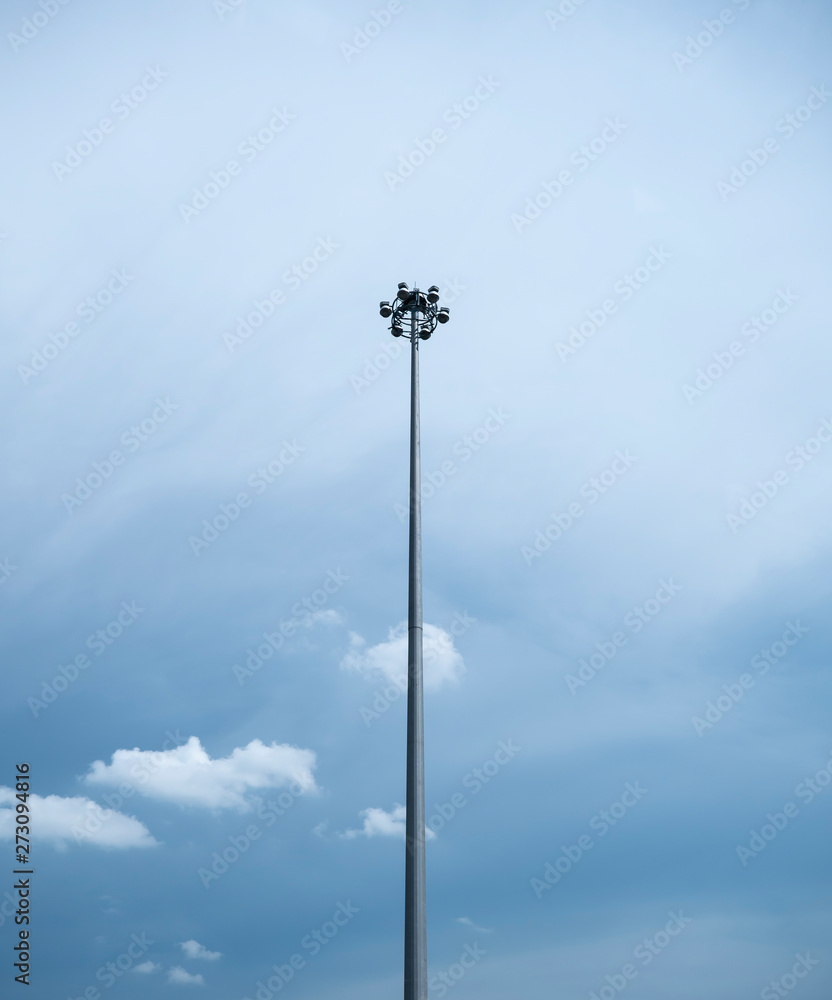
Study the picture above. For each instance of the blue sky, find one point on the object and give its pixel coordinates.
(627, 457)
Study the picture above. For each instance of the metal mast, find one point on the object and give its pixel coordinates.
(423, 316)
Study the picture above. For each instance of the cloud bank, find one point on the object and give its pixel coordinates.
(187, 776)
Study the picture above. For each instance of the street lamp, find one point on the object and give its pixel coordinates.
(421, 311)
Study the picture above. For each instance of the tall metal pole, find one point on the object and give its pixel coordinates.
(415, 903)
(425, 314)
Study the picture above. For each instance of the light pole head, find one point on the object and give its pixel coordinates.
(414, 305)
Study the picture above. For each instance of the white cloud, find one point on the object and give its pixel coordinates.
(442, 662)
(378, 823)
(193, 949)
(188, 776)
(147, 967)
(77, 819)
(178, 975)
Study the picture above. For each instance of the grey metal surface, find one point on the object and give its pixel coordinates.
(415, 914)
